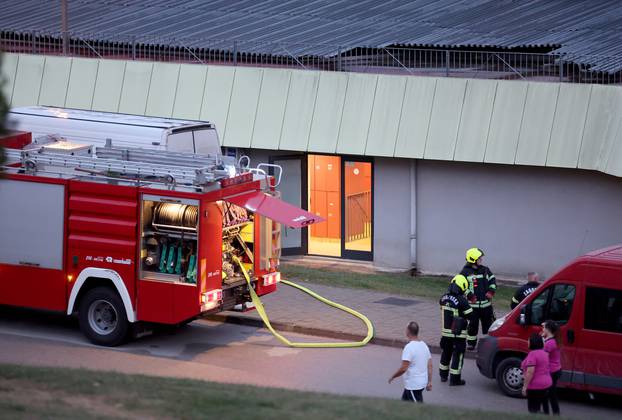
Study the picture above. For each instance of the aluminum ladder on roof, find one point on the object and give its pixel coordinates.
(127, 163)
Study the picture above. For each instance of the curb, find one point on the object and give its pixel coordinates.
(320, 332)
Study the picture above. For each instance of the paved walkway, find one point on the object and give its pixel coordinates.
(292, 310)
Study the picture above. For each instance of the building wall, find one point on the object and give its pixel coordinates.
(392, 213)
(524, 218)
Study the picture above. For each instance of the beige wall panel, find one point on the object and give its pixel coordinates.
(572, 105)
(603, 115)
(7, 74)
(217, 97)
(243, 107)
(445, 118)
(55, 81)
(331, 96)
(135, 90)
(613, 156)
(415, 118)
(303, 88)
(385, 116)
(505, 123)
(81, 86)
(475, 120)
(189, 92)
(271, 109)
(28, 80)
(356, 113)
(108, 85)
(535, 132)
(162, 89)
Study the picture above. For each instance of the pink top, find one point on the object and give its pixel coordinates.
(550, 346)
(539, 359)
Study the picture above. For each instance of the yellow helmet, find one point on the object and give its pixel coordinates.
(461, 282)
(474, 254)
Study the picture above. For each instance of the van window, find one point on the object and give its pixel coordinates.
(553, 303)
(603, 310)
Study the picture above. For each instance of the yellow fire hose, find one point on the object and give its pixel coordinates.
(264, 316)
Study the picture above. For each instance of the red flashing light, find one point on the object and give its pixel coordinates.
(240, 179)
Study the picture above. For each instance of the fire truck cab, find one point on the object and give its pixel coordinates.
(121, 235)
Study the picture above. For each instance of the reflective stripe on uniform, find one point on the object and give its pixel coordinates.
(454, 371)
(471, 337)
(468, 311)
(492, 286)
(481, 304)
(515, 300)
(443, 367)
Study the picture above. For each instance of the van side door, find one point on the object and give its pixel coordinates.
(598, 338)
(557, 302)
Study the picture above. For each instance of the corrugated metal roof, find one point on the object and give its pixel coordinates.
(583, 29)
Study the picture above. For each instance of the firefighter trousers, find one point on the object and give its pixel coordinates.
(452, 358)
(483, 315)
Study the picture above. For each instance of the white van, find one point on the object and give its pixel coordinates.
(124, 130)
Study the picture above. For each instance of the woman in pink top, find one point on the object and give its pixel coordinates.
(537, 377)
(552, 343)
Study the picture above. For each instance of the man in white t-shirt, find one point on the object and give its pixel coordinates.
(416, 366)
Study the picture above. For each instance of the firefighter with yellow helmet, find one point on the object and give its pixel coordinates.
(456, 315)
(482, 288)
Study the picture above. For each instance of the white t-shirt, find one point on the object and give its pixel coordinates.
(418, 354)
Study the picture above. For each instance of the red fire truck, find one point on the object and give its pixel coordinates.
(126, 237)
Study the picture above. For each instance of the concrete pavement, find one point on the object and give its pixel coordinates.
(292, 310)
(246, 355)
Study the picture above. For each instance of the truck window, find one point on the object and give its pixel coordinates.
(605, 310)
(553, 303)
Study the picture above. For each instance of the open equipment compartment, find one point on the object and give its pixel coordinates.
(169, 246)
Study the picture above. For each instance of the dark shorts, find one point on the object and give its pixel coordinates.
(413, 395)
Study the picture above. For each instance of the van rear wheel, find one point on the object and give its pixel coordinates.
(510, 377)
(102, 317)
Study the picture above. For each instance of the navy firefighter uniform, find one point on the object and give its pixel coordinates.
(456, 315)
(482, 287)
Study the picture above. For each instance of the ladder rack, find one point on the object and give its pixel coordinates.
(171, 168)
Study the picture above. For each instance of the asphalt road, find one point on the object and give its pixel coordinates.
(239, 354)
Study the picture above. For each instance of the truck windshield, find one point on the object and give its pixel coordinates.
(206, 142)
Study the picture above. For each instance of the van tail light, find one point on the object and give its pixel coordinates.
(211, 299)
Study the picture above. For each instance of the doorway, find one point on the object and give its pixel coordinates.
(340, 190)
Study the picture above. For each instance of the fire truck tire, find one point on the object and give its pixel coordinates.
(102, 317)
(510, 377)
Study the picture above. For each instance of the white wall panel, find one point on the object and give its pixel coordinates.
(108, 85)
(135, 90)
(505, 123)
(415, 117)
(535, 132)
(217, 97)
(475, 120)
(299, 111)
(55, 81)
(603, 115)
(243, 107)
(385, 117)
(81, 85)
(328, 111)
(271, 109)
(356, 113)
(568, 125)
(189, 92)
(28, 80)
(445, 118)
(7, 73)
(162, 89)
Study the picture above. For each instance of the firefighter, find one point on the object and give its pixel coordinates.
(533, 281)
(456, 314)
(482, 288)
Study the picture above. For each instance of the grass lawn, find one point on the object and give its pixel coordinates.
(55, 393)
(398, 284)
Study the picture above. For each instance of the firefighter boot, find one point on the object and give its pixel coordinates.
(456, 380)
(444, 374)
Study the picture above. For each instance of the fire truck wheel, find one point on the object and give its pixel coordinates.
(102, 317)
(510, 377)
